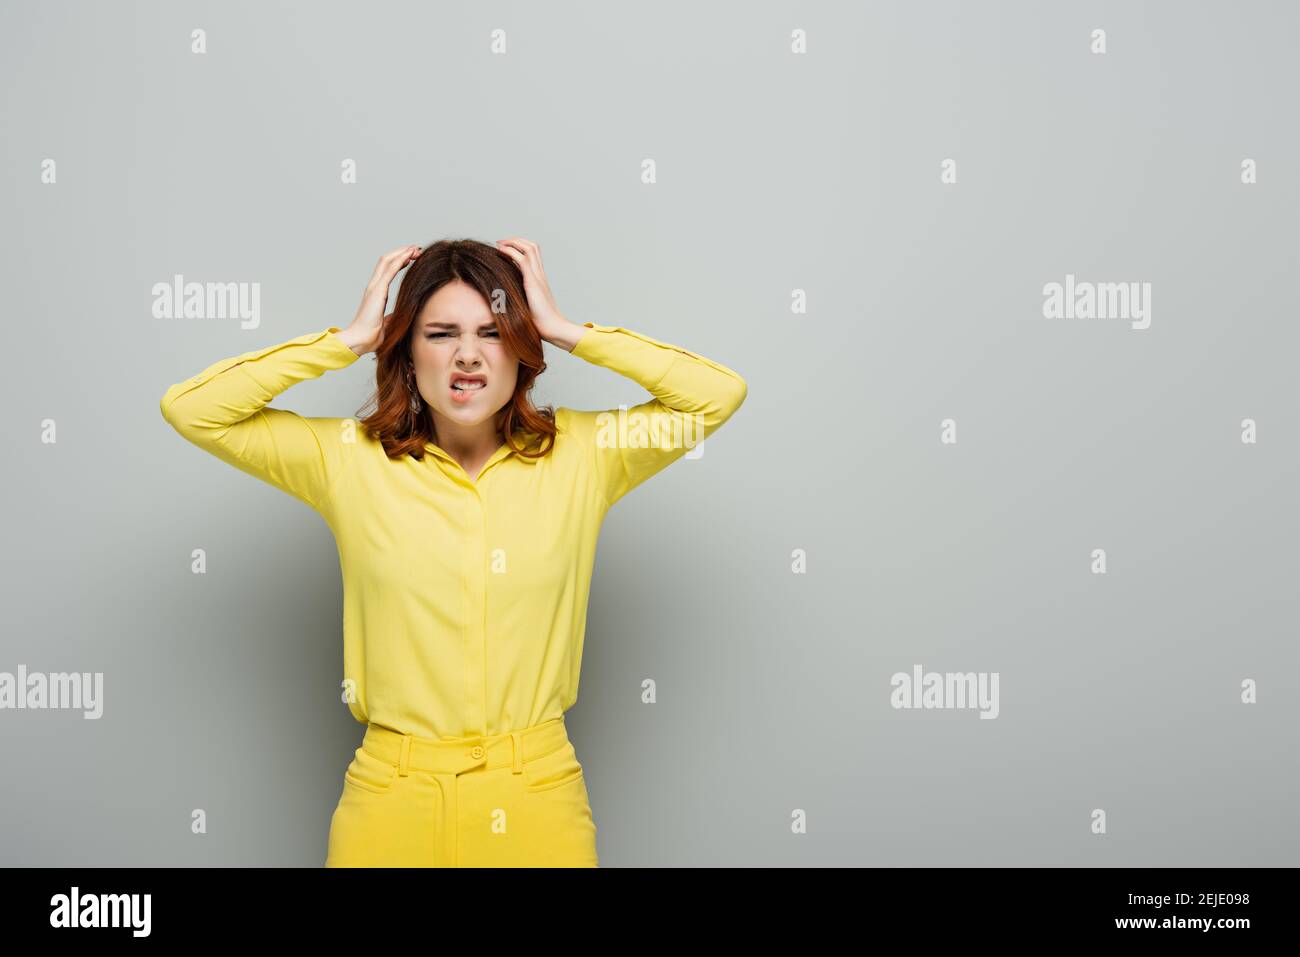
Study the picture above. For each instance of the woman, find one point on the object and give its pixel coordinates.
(466, 522)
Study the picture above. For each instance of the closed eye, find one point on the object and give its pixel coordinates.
(443, 335)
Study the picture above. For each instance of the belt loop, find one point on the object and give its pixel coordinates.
(404, 759)
(519, 755)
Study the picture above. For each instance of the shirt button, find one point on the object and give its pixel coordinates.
(477, 751)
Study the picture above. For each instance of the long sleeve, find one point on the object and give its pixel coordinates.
(691, 398)
(223, 410)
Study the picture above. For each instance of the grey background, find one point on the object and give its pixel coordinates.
(775, 172)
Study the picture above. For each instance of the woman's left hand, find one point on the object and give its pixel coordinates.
(546, 316)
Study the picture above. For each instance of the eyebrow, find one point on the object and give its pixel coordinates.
(452, 325)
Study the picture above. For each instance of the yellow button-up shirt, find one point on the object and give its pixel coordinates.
(464, 600)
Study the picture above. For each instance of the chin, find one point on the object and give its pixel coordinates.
(470, 416)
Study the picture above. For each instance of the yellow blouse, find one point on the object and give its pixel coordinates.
(464, 601)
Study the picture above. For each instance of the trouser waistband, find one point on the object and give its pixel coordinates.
(409, 752)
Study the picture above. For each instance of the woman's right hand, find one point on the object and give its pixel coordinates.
(366, 334)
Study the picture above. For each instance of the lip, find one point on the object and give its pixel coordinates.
(464, 397)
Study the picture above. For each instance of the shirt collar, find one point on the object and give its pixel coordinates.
(503, 452)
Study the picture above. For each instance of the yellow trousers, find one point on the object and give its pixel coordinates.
(509, 800)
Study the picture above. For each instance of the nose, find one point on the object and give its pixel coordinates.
(467, 355)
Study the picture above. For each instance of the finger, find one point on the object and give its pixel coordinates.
(510, 251)
(399, 256)
(527, 263)
(530, 248)
(524, 262)
(523, 245)
(391, 263)
(526, 250)
(536, 251)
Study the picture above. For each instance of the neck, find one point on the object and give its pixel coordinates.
(467, 443)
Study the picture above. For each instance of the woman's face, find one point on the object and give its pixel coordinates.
(456, 335)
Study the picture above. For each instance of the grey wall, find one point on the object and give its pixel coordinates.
(776, 172)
